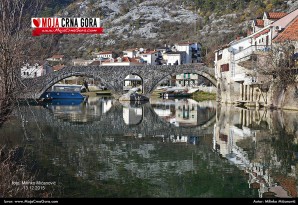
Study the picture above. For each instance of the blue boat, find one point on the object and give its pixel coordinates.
(62, 91)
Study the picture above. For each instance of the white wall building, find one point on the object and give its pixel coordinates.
(131, 53)
(103, 55)
(238, 81)
(193, 51)
(150, 57)
(176, 58)
(32, 71)
(81, 62)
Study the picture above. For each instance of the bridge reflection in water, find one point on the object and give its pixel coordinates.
(186, 117)
(165, 148)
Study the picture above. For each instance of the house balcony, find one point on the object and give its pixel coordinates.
(245, 78)
(239, 77)
(244, 56)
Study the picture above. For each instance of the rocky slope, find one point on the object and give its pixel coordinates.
(153, 23)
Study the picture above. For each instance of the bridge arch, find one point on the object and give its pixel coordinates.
(190, 70)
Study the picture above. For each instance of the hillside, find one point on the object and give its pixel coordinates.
(153, 23)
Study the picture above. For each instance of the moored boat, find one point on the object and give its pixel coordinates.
(175, 92)
(62, 91)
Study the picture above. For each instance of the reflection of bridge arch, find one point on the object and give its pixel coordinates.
(110, 123)
(113, 76)
(185, 112)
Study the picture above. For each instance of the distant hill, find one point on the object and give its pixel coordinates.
(154, 23)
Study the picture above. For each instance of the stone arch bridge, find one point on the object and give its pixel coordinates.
(113, 77)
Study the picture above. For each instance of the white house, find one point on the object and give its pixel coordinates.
(175, 58)
(81, 62)
(238, 82)
(103, 55)
(150, 57)
(56, 57)
(193, 51)
(32, 71)
(131, 53)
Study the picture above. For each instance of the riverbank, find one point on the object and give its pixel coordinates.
(94, 93)
(201, 96)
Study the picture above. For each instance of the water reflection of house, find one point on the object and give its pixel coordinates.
(243, 137)
(186, 112)
(84, 112)
(132, 116)
(184, 139)
(177, 139)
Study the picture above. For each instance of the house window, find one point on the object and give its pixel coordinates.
(219, 56)
(144, 55)
(24, 73)
(223, 137)
(28, 73)
(35, 74)
(240, 48)
(224, 67)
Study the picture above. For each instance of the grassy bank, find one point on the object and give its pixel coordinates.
(201, 96)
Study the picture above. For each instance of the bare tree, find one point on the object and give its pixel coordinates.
(278, 65)
(17, 46)
(274, 69)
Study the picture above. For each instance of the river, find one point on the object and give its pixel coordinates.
(164, 148)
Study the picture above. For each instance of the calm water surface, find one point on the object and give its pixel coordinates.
(165, 148)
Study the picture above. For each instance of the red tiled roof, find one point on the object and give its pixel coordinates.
(148, 52)
(105, 52)
(57, 56)
(125, 59)
(276, 15)
(259, 22)
(95, 63)
(261, 33)
(57, 67)
(290, 33)
(135, 60)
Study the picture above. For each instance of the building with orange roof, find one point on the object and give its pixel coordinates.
(103, 55)
(233, 68)
(56, 57)
(257, 24)
(57, 67)
(270, 17)
(290, 33)
(150, 57)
